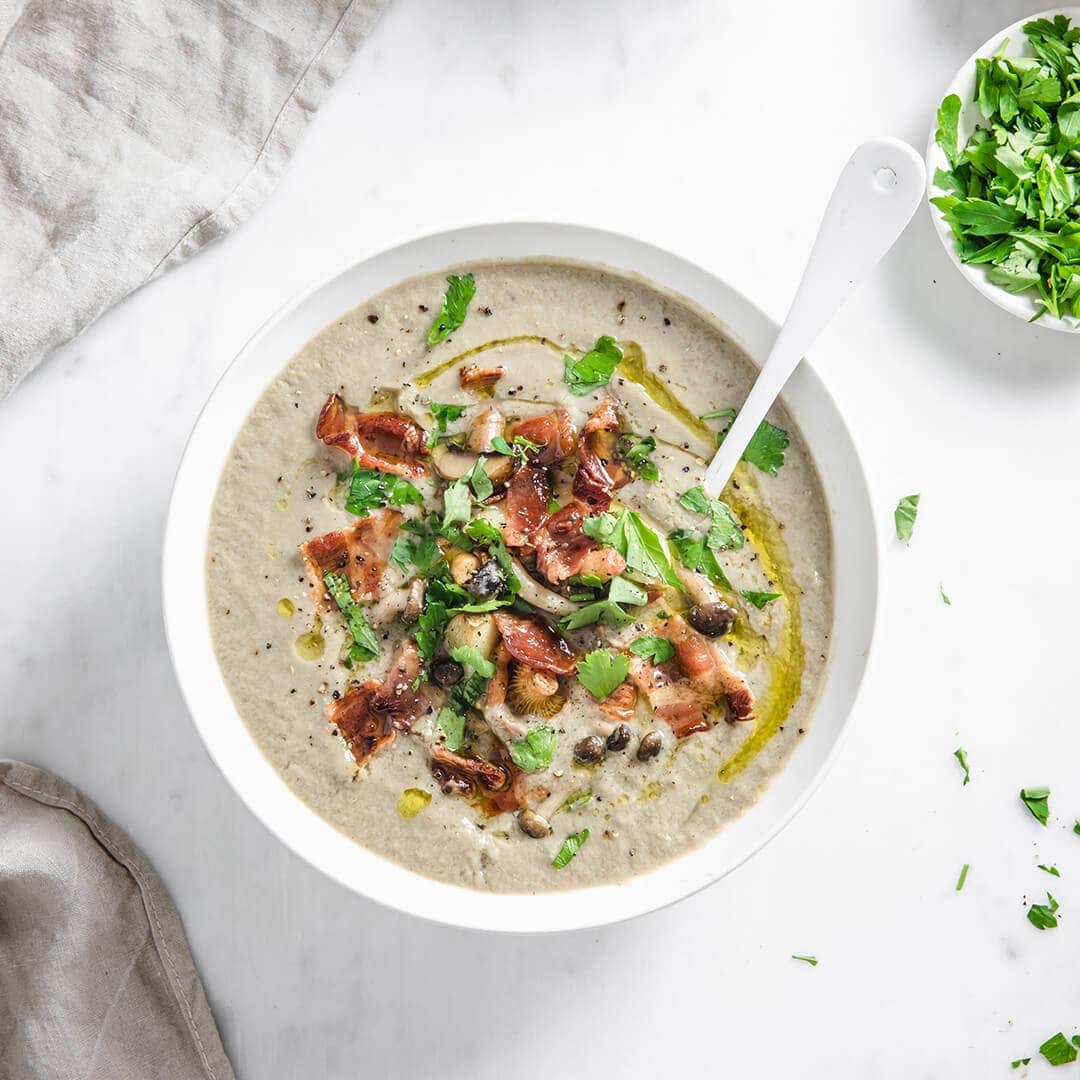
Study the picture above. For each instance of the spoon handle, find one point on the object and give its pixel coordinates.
(874, 199)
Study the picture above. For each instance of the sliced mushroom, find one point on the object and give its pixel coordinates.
(532, 592)
(415, 603)
(453, 464)
(488, 425)
(477, 630)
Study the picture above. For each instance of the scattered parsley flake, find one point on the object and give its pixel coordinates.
(811, 960)
(759, 599)
(365, 645)
(480, 481)
(1044, 916)
(963, 876)
(624, 591)
(695, 554)
(1058, 1050)
(370, 490)
(455, 306)
(656, 649)
(766, 448)
(536, 750)
(1036, 799)
(961, 755)
(594, 369)
(452, 725)
(571, 846)
(576, 800)
(944, 595)
(1020, 1061)
(906, 510)
(471, 655)
(1050, 869)
(724, 532)
(601, 670)
(457, 502)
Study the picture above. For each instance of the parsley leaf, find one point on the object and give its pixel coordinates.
(601, 671)
(944, 596)
(452, 725)
(468, 692)
(656, 649)
(1043, 916)
(455, 306)
(720, 414)
(946, 136)
(571, 846)
(576, 800)
(904, 517)
(961, 755)
(1076, 827)
(1036, 799)
(370, 489)
(457, 502)
(601, 611)
(759, 599)
(766, 448)
(471, 655)
(536, 750)
(811, 960)
(594, 369)
(1058, 1050)
(635, 541)
(963, 876)
(602, 528)
(480, 481)
(444, 414)
(724, 532)
(625, 591)
(636, 453)
(430, 627)
(1050, 869)
(695, 554)
(1020, 1061)
(365, 644)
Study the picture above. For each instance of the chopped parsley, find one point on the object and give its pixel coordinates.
(571, 846)
(601, 671)
(624, 591)
(656, 649)
(521, 446)
(1044, 916)
(452, 725)
(370, 489)
(468, 692)
(811, 960)
(1058, 1050)
(1036, 799)
(963, 876)
(471, 655)
(594, 369)
(944, 595)
(637, 454)
(444, 414)
(457, 502)
(576, 800)
(480, 481)
(635, 542)
(724, 532)
(961, 755)
(455, 306)
(759, 599)
(601, 611)
(1019, 1061)
(721, 414)
(1076, 827)
(904, 517)
(365, 645)
(766, 448)
(536, 750)
(430, 627)
(1050, 869)
(695, 554)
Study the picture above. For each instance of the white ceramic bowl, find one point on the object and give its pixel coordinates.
(259, 785)
(1023, 305)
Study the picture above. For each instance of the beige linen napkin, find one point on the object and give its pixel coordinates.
(133, 134)
(96, 978)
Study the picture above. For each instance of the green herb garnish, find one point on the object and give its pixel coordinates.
(961, 755)
(571, 846)
(444, 414)
(480, 481)
(1036, 799)
(766, 448)
(904, 517)
(1020, 1061)
(601, 671)
(471, 655)
(635, 541)
(963, 877)
(370, 489)
(656, 649)
(811, 960)
(430, 627)
(536, 750)
(594, 369)
(455, 306)
(576, 800)
(365, 645)
(452, 725)
(759, 599)
(1043, 916)
(944, 596)
(724, 533)
(1050, 869)
(1058, 1050)
(695, 554)
(457, 502)
(637, 454)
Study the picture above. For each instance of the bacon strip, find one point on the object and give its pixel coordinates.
(382, 440)
(534, 643)
(461, 775)
(683, 691)
(527, 496)
(552, 432)
(368, 715)
(359, 551)
(619, 704)
(563, 549)
(599, 474)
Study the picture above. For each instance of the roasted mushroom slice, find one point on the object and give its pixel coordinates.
(453, 464)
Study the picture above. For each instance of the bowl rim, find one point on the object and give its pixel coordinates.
(258, 783)
(962, 84)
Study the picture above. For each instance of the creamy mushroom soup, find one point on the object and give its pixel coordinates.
(472, 602)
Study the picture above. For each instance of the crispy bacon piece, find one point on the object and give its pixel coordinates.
(473, 377)
(563, 549)
(460, 775)
(599, 474)
(526, 507)
(359, 551)
(552, 432)
(368, 715)
(619, 704)
(533, 643)
(684, 690)
(381, 440)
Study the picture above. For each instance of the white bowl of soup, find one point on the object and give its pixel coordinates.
(452, 613)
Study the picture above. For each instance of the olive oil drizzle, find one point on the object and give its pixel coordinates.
(426, 378)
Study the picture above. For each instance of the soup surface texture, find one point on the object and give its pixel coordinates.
(471, 602)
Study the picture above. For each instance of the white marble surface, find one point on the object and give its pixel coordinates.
(714, 129)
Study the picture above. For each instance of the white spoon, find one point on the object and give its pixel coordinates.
(874, 199)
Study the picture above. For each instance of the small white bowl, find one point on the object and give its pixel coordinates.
(855, 557)
(1023, 305)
